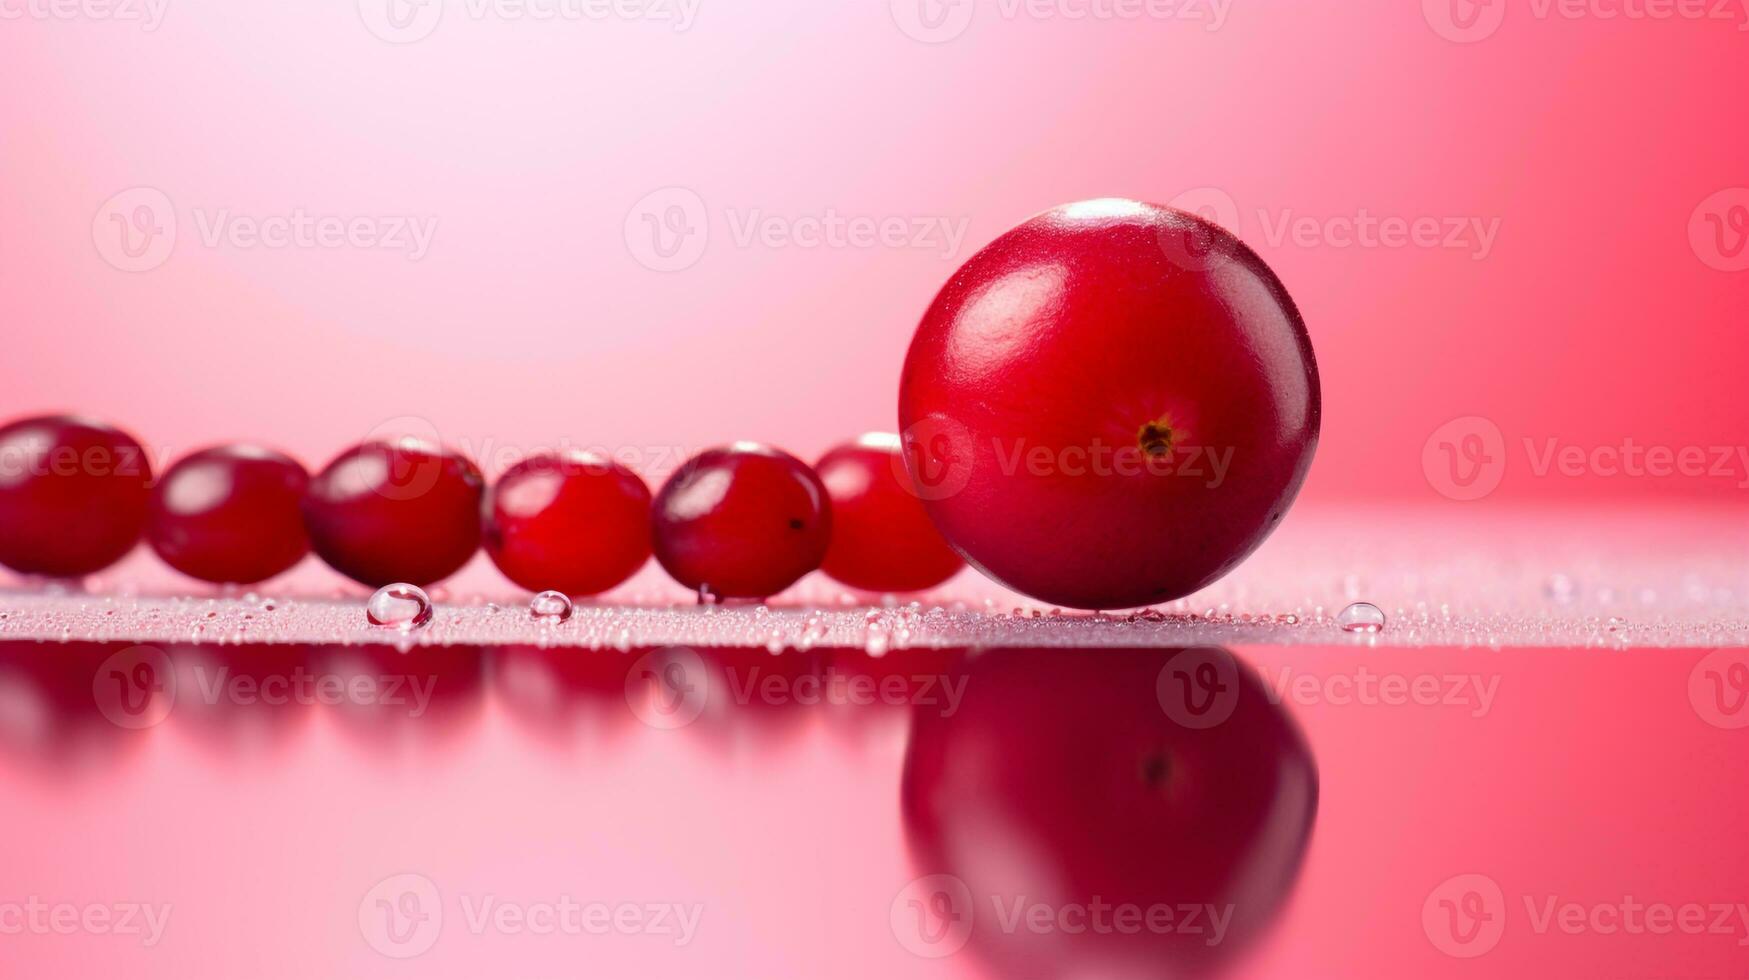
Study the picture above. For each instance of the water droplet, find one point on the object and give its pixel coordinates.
(402, 606)
(708, 598)
(550, 607)
(1361, 617)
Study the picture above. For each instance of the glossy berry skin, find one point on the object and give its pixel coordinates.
(576, 523)
(73, 495)
(882, 538)
(741, 522)
(1110, 405)
(386, 512)
(230, 514)
(1140, 778)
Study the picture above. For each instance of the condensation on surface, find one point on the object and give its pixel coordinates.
(1603, 580)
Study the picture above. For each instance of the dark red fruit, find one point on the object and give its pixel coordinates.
(576, 523)
(882, 539)
(73, 495)
(1110, 405)
(230, 514)
(744, 521)
(1074, 793)
(395, 512)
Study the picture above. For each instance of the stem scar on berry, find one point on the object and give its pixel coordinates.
(1155, 437)
(1155, 769)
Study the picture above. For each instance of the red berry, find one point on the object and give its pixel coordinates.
(1150, 781)
(576, 523)
(882, 539)
(230, 514)
(395, 512)
(744, 521)
(73, 495)
(1110, 405)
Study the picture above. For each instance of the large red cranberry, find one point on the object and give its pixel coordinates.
(575, 523)
(882, 539)
(73, 495)
(1076, 807)
(743, 521)
(1110, 405)
(403, 511)
(230, 514)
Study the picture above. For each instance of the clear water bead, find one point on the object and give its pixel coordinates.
(550, 607)
(1361, 617)
(400, 606)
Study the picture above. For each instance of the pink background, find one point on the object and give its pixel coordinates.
(1603, 312)
(531, 322)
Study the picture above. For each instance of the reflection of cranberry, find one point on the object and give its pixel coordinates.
(395, 512)
(1064, 783)
(744, 521)
(230, 514)
(882, 540)
(73, 495)
(1107, 416)
(576, 523)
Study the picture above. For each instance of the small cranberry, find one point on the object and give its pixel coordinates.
(882, 538)
(73, 495)
(575, 523)
(387, 512)
(230, 514)
(744, 521)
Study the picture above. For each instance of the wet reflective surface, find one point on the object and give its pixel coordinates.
(290, 811)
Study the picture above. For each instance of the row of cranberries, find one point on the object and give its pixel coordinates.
(742, 521)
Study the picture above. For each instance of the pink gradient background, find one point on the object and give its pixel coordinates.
(1592, 141)
(532, 322)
